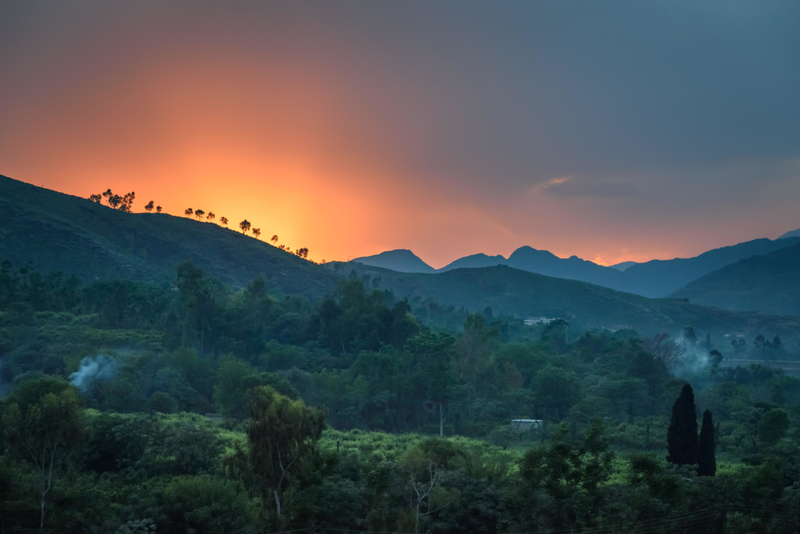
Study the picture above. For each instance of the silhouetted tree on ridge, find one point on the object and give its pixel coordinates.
(199, 214)
(245, 226)
(149, 207)
(188, 211)
(121, 203)
(210, 216)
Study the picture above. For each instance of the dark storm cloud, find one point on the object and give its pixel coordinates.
(514, 92)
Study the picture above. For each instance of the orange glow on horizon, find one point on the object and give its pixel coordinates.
(320, 135)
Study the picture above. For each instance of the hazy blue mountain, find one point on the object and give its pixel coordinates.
(658, 278)
(793, 233)
(475, 261)
(401, 260)
(622, 266)
(58, 232)
(523, 294)
(768, 283)
(573, 268)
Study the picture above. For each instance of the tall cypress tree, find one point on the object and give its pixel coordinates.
(705, 451)
(682, 432)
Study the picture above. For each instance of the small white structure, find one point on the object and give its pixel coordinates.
(535, 321)
(522, 425)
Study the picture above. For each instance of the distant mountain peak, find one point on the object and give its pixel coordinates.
(475, 261)
(793, 233)
(401, 260)
(622, 266)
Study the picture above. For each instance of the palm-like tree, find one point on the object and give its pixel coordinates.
(188, 211)
(245, 226)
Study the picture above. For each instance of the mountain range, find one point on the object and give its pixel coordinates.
(58, 232)
(656, 278)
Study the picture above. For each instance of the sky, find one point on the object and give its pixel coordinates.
(613, 130)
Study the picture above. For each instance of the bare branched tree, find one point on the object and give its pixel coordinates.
(665, 349)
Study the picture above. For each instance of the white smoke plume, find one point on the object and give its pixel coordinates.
(91, 369)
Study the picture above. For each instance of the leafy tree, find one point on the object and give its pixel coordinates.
(188, 211)
(224, 220)
(149, 206)
(682, 431)
(707, 463)
(474, 346)
(96, 198)
(121, 203)
(256, 232)
(556, 390)
(715, 358)
(435, 354)
(199, 214)
(739, 346)
(210, 216)
(158, 209)
(282, 434)
(773, 426)
(570, 475)
(244, 226)
(204, 504)
(127, 202)
(689, 336)
(235, 378)
(45, 435)
(274, 239)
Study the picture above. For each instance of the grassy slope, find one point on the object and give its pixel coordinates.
(76, 236)
(523, 294)
(769, 283)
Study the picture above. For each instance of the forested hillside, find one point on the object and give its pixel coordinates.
(57, 232)
(769, 284)
(151, 406)
(522, 294)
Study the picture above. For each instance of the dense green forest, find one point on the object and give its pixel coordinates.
(191, 407)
